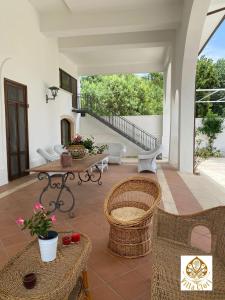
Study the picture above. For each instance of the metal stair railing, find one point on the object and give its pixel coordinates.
(121, 125)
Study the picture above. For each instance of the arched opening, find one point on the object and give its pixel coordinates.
(201, 238)
(65, 132)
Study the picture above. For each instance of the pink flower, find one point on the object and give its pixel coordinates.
(20, 221)
(38, 206)
(53, 218)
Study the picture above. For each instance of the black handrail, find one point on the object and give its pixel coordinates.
(119, 124)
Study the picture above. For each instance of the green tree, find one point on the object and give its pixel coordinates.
(220, 68)
(206, 74)
(123, 94)
(212, 125)
(210, 75)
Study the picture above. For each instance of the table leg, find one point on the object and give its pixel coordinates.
(61, 186)
(86, 285)
(91, 176)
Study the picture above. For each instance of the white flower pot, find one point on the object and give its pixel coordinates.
(48, 247)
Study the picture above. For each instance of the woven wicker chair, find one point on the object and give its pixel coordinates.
(171, 239)
(132, 238)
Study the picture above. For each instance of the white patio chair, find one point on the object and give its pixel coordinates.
(116, 152)
(147, 160)
(102, 164)
(59, 149)
(48, 157)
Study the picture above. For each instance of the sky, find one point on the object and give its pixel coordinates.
(215, 48)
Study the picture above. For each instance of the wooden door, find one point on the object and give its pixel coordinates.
(65, 132)
(16, 128)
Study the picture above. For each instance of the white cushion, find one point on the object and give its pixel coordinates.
(127, 213)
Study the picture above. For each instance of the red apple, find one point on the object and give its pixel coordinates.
(75, 237)
(66, 240)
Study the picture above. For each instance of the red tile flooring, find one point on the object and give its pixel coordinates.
(183, 197)
(111, 277)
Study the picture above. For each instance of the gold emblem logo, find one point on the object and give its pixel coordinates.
(196, 269)
(196, 273)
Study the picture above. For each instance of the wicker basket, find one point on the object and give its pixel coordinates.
(132, 238)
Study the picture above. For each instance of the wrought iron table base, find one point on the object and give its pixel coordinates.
(91, 176)
(61, 186)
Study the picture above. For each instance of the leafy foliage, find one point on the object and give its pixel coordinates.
(203, 153)
(206, 74)
(220, 67)
(89, 144)
(123, 94)
(212, 125)
(209, 75)
(39, 223)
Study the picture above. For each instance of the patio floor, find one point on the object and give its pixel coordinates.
(111, 278)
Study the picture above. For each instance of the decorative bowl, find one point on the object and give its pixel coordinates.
(77, 151)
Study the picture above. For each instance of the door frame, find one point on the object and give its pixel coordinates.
(69, 131)
(6, 80)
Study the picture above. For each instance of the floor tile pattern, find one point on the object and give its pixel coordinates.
(111, 277)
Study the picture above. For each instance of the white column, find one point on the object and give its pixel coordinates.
(166, 113)
(183, 88)
(191, 48)
(174, 114)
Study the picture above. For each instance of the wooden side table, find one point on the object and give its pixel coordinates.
(64, 278)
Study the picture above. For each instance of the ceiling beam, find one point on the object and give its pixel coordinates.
(215, 11)
(135, 39)
(120, 68)
(68, 24)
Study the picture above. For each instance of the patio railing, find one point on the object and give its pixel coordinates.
(120, 124)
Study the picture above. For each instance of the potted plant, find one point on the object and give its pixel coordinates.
(76, 147)
(39, 224)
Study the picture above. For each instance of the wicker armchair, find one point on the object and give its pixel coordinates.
(132, 238)
(172, 238)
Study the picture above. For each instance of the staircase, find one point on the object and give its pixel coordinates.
(121, 125)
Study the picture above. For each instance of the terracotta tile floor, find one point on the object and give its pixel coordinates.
(111, 278)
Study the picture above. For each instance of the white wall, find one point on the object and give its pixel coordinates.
(34, 61)
(89, 126)
(220, 140)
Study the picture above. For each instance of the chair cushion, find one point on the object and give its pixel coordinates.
(126, 214)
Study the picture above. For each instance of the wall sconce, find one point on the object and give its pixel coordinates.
(54, 90)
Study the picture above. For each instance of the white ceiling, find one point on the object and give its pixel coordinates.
(121, 56)
(106, 36)
(77, 6)
(216, 4)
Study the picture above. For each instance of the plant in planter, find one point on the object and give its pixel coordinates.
(40, 224)
(89, 144)
(76, 147)
(79, 146)
(100, 149)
